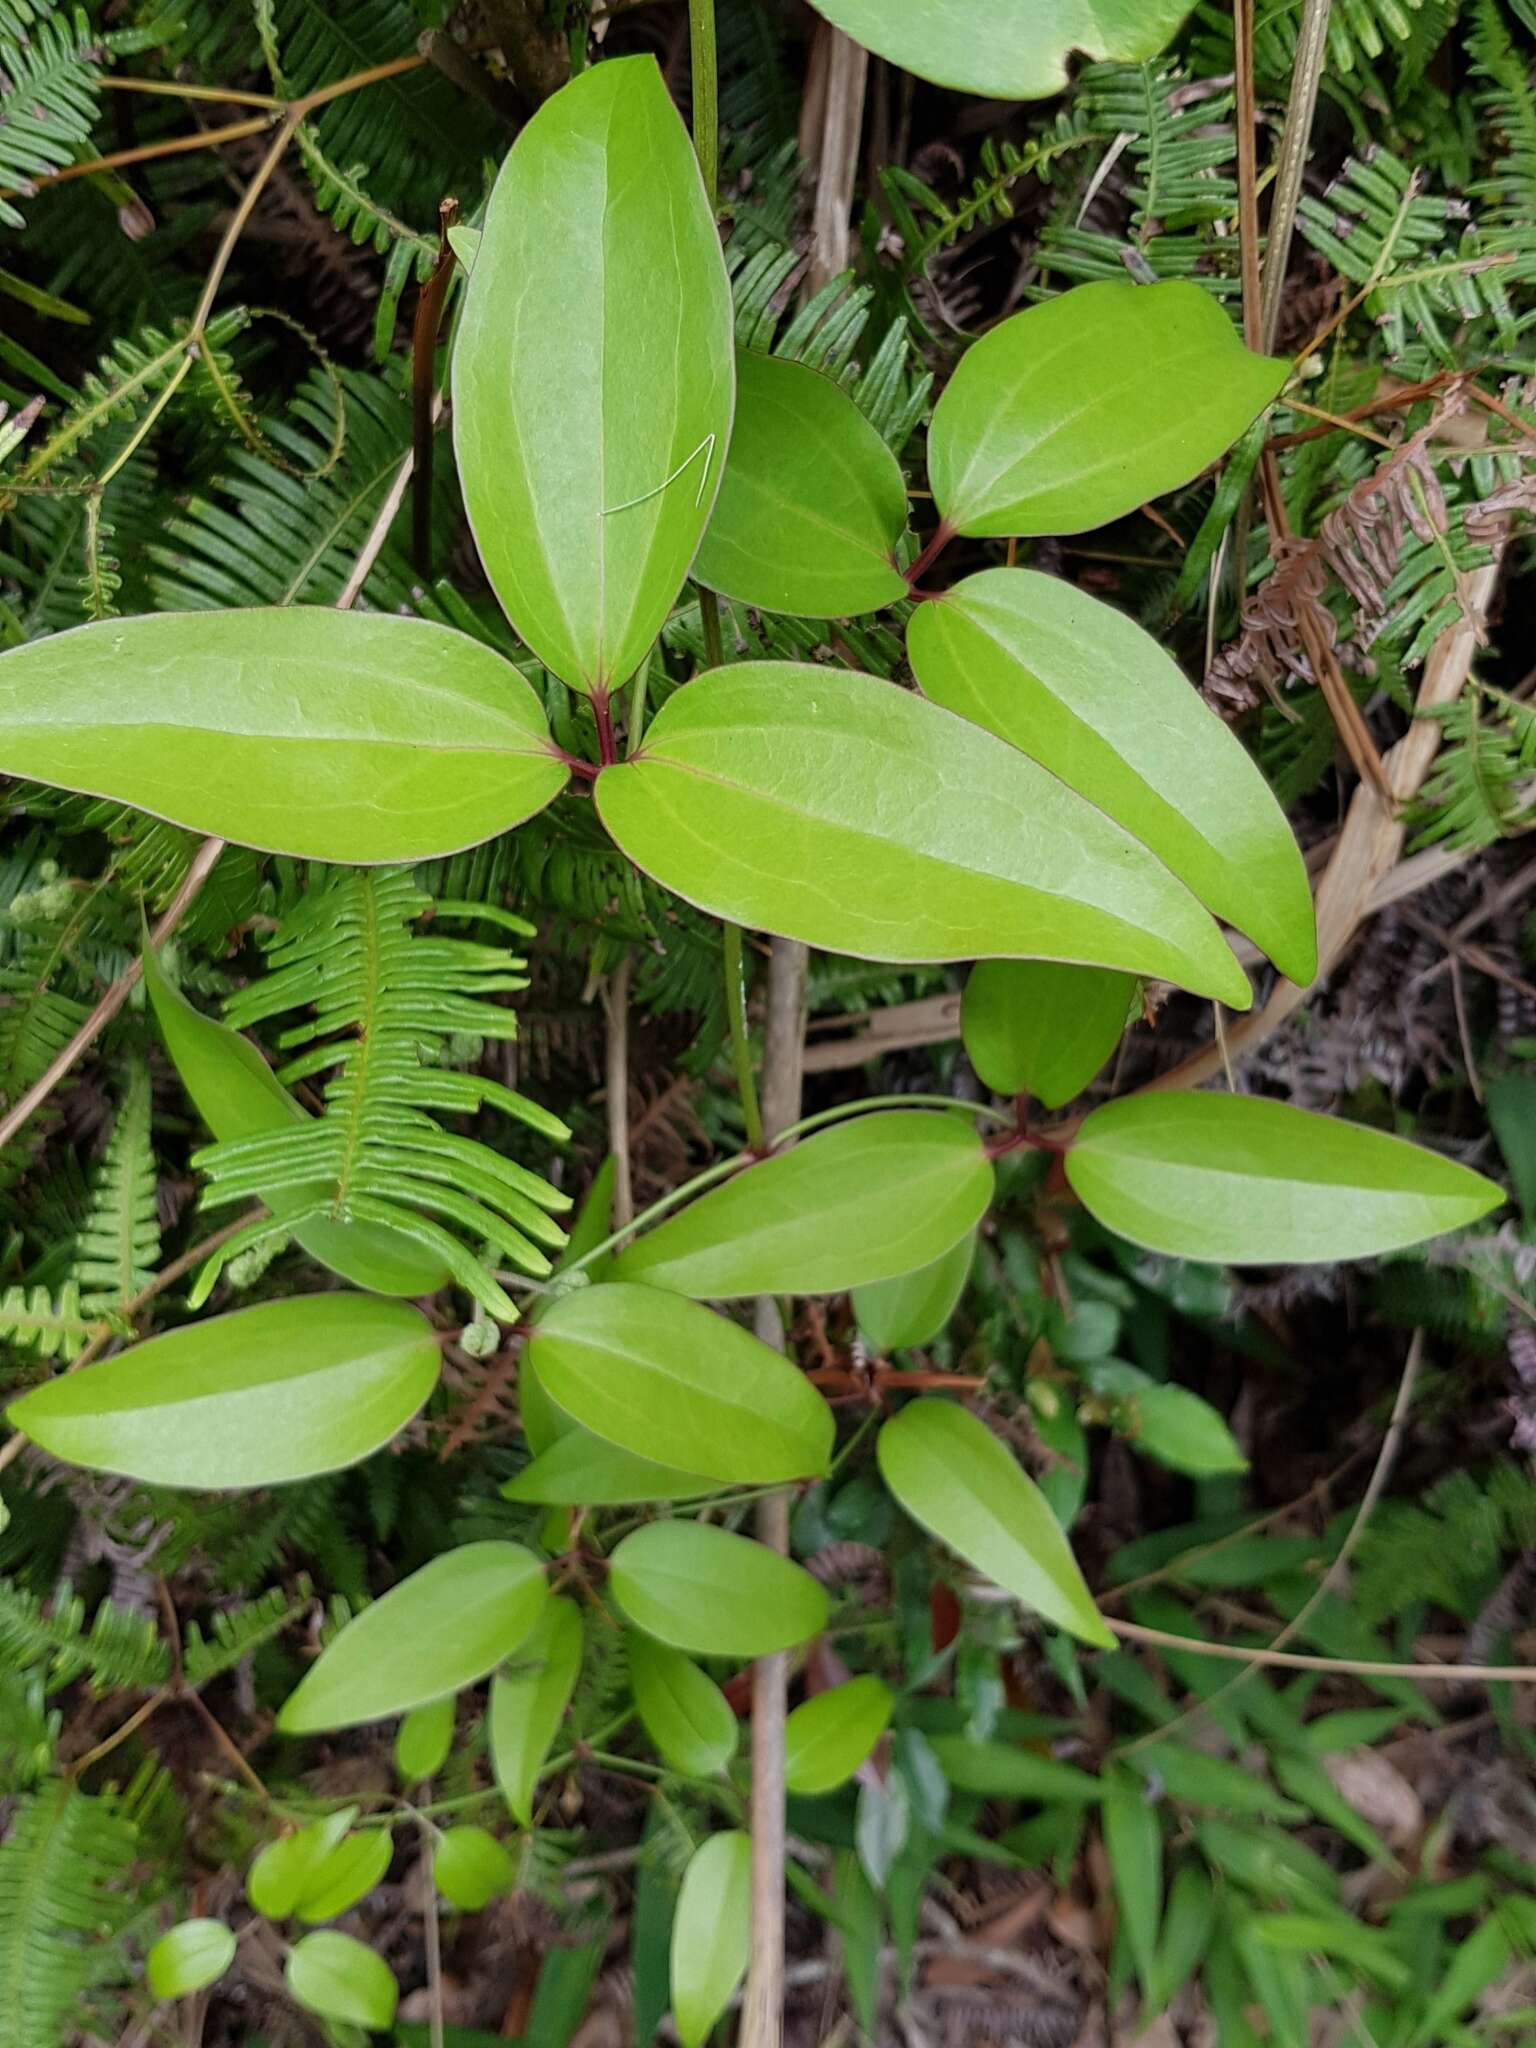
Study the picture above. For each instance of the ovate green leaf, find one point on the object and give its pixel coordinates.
(593, 373)
(342, 1980)
(423, 1740)
(342, 736)
(470, 1868)
(829, 1735)
(813, 503)
(264, 1395)
(443, 1627)
(1004, 49)
(1037, 1027)
(714, 1593)
(582, 1470)
(893, 1314)
(1083, 690)
(711, 1934)
(681, 1708)
(863, 1201)
(952, 1475)
(1167, 1421)
(673, 1382)
(346, 1872)
(1241, 1180)
(1076, 411)
(237, 1095)
(836, 809)
(528, 1703)
(189, 1958)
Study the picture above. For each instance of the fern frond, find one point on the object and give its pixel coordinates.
(64, 1898)
(1180, 138)
(50, 1325)
(239, 1631)
(119, 1246)
(350, 950)
(1483, 786)
(1003, 165)
(1507, 105)
(118, 1649)
(50, 62)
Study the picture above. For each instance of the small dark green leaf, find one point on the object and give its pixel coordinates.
(342, 736)
(952, 1475)
(593, 373)
(714, 1593)
(894, 1314)
(528, 1703)
(812, 505)
(189, 1958)
(1000, 49)
(470, 1868)
(675, 1383)
(1081, 689)
(267, 1394)
(829, 1735)
(1242, 1180)
(342, 1980)
(423, 1740)
(834, 808)
(443, 1627)
(1076, 411)
(1002, 1770)
(681, 1708)
(866, 1200)
(1167, 1421)
(1041, 1028)
(711, 1934)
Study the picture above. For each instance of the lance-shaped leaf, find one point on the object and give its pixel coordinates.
(713, 1593)
(443, 1627)
(237, 1094)
(863, 1201)
(682, 1709)
(1036, 1027)
(893, 1314)
(1076, 411)
(1083, 690)
(594, 373)
(711, 1935)
(681, 1386)
(837, 809)
(829, 1735)
(1241, 1180)
(952, 1475)
(813, 503)
(528, 1702)
(1005, 49)
(341, 736)
(273, 1393)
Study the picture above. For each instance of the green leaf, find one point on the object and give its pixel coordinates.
(681, 1708)
(528, 1703)
(1081, 689)
(1241, 1180)
(237, 1095)
(282, 1872)
(345, 1873)
(267, 1394)
(1200, 1780)
(714, 1593)
(952, 1475)
(342, 1980)
(189, 1958)
(581, 1470)
(1076, 411)
(837, 809)
(341, 736)
(1512, 1115)
(1185, 1934)
(867, 1200)
(423, 1740)
(711, 1934)
(442, 1628)
(470, 1868)
(829, 1735)
(813, 503)
(1041, 1028)
(1133, 1841)
(673, 1382)
(594, 373)
(1002, 1770)
(1168, 1422)
(1333, 1934)
(1000, 49)
(895, 1314)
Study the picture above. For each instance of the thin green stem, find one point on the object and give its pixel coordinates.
(638, 688)
(706, 94)
(741, 1049)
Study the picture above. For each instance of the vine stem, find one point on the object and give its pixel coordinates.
(1342, 1667)
(706, 95)
(1311, 51)
(741, 1050)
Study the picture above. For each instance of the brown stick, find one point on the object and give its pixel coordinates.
(424, 333)
(616, 1079)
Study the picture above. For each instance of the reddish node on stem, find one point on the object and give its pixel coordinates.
(602, 711)
(938, 541)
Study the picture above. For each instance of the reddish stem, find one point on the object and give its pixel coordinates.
(938, 541)
(602, 711)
